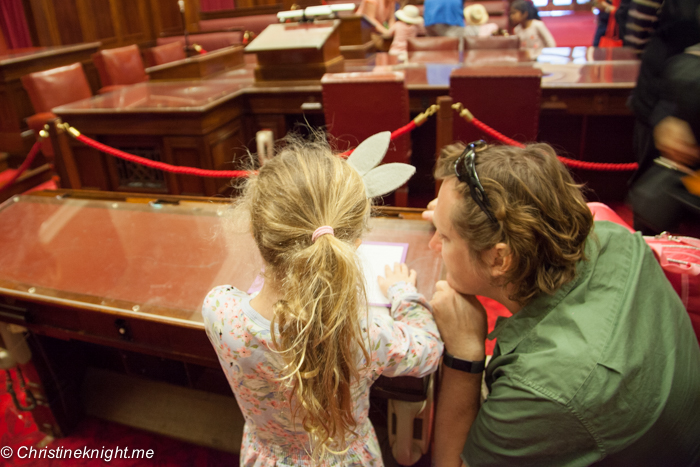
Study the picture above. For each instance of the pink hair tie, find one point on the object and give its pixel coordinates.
(323, 230)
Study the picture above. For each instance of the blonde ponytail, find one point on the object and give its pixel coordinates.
(317, 326)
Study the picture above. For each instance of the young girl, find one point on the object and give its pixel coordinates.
(408, 26)
(302, 354)
(533, 34)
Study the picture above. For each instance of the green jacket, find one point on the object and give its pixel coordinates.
(606, 370)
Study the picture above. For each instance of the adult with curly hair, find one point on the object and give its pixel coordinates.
(598, 362)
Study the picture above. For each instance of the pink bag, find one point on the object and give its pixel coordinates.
(679, 257)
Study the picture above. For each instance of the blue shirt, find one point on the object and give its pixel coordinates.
(443, 12)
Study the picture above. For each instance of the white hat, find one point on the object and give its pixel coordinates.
(410, 14)
(476, 14)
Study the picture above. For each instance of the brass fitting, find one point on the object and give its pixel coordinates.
(422, 117)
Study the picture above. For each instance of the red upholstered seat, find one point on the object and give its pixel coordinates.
(52, 88)
(358, 105)
(119, 67)
(165, 53)
(252, 23)
(492, 42)
(418, 44)
(505, 98)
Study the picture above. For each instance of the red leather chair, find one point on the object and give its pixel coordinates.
(119, 67)
(165, 53)
(492, 42)
(505, 98)
(358, 105)
(52, 88)
(419, 44)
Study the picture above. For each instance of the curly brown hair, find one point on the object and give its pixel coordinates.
(542, 215)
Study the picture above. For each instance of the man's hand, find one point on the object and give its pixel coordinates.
(428, 214)
(462, 322)
(400, 273)
(675, 140)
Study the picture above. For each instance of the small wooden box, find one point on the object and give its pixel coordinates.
(297, 51)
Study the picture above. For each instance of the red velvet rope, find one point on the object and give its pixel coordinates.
(194, 171)
(161, 165)
(570, 162)
(25, 165)
(409, 127)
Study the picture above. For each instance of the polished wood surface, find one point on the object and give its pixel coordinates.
(15, 137)
(199, 66)
(584, 94)
(297, 51)
(150, 258)
(116, 281)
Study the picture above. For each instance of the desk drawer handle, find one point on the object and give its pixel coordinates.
(13, 312)
(311, 106)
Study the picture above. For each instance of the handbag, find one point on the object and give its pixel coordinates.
(612, 34)
(679, 258)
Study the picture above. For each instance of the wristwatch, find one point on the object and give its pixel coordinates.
(467, 366)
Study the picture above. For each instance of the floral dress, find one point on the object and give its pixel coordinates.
(405, 342)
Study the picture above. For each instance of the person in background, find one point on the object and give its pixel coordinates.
(301, 355)
(621, 17)
(598, 363)
(378, 12)
(653, 101)
(605, 9)
(528, 26)
(477, 19)
(444, 18)
(408, 26)
(642, 21)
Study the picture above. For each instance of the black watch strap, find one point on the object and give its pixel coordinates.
(467, 366)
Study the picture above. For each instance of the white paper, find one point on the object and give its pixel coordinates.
(375, 256)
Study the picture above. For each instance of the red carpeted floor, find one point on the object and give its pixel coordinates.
(572, 29)
(17, 429)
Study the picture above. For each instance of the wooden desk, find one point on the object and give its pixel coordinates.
(15, 137)
(198, 66)
(584, 95)
(116, 281)
(188, 123)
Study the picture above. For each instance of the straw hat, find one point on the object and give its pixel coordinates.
(410, 14)
(476, 14)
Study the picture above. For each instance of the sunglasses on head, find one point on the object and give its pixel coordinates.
(465, 170)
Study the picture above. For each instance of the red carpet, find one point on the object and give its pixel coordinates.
(18, 430)
(572, 30)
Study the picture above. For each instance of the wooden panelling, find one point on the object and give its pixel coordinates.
(67, 17)
(113, 22)
(44, 23)
(98, 21)
(133, 21)
(168, 19)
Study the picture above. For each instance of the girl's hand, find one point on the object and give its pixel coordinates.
(400, 273)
